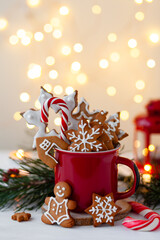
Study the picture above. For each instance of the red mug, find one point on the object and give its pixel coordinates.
(92, 172)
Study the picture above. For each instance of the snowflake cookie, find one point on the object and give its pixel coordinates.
(85, 139)
(103, 209)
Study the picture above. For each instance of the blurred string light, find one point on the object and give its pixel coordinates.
(17, 116)
(82, 78)
(20, 153)
(139, 16)
(138, 98)
(21, 33)
(38, 36)
(147, 167)
(69, 90)
(25, 40)
(53, 74)
(33, 3)
(149, 1)
(124, 115)
(151, 63)
(138, 1)
(78, 47)
(145, 152)
(115, 57)
(37, 104)
(75, 67)
(151, 148)
(96, 9)
(134, 52)
(3, 24)
(103, 63)
(111, 91)
(34, 71)
(132, 43)
(24, 97)
(55, 22)
(154, 37)
(57, 33)
(112, 37)
(140, 84)
(48, 87)
(13, 40)
(58, 89)
(66, 50)
(137, 143)
(30, 126)
(48, 28)
(64, 10)
(57, 121)
(50, 60)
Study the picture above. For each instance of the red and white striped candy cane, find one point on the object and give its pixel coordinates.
(151, 224)
(64, 118)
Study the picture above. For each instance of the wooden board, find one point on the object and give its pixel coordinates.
(84, 219)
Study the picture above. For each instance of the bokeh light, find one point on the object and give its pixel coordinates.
(3, 23)
(138, 1)
(115, 57)
(55, 22)
(57, 33)
(34, 71)
(145, 152)
(53, 74)
(24, 97)
(137, 143)
(139, 16)
(13, 40)
(78, 47)
(140, 84)
(17, 116)
(48, 28)
(154, 37)
(48, 87)
(30, 126)
(50, 60)
(66, 50)
(21, 33)
(82, 78)
(33, 3)
(124, 115)
(37, 104)
(25, 40)
(20, 153)
(57, 121)
(38, 36)
(151, 63)
(151, 148)
(111, 91)
(69, 90)
(147, 167)
(112, 37)
(132, 43)
(96, 9)
(103, 63)
(138, 98)
(58, 89)
(134, 52)
(64, 10)
(75, 66)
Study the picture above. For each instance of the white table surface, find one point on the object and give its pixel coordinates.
(35, 229)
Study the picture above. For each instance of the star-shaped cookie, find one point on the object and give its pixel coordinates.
(103, 209)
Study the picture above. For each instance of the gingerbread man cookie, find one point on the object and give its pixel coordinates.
(22, 216)
(59, 206)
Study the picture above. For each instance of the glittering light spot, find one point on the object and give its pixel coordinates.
(69, 90)
(151, 63)
(138, 1)
(112, 37)
(21, 33)
(149, 1)
(13, 40)
(82, 78)
(24, 97)
(20, 153)
(146, 177)
(111, 91)
(37, 104)
(132, 43)
(25, 41)
(58, 89)
(103, 63)
(48, 87)
(57, 121)
(145, 152)
(64, 10)
(48, 28)
(139, 16)
(147, 167)
(151, 148)
(75, 66)
(17, 116)
(57, 33)
(115, 57)
(38, 36)
(137, 143)
(66, 50)
(30, 126)
(33, 3)
(55, 22)
(140, 84)
(3, 23)
(138, 98)
(50, 60)
(124, 115)
(34, 71)
(96, 9)
(53, 74)
(78, 47)
(134, 52)
(154, 37)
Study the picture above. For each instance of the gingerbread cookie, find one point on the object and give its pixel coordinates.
(103, 209)
(99, 118)
(59, 206)
(85, 139)
(22, 216)
(46, 147)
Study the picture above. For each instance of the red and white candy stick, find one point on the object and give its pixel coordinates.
(151, 224)
(64, 118)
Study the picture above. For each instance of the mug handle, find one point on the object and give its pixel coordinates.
(134, 168)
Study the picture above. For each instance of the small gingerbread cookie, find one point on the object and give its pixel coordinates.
(21, 216)
(46, 146)
(99, 118)
(103, 209)
(59, 206)
(85, 139)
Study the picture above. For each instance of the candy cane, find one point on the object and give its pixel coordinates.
(151, 224)
(51, 102)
